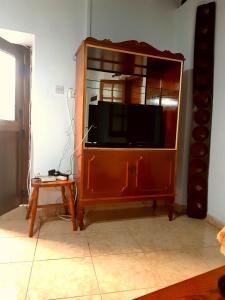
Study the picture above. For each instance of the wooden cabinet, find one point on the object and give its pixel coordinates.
(126, 150)
(105, 174)
(150, 180)
(128, 173)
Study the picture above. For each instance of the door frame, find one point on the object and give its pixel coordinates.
(22, 115)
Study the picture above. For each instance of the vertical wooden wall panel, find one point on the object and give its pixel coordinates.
(202, 111)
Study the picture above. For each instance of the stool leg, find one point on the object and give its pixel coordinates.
(33, 210)
(64, 199)
(71, 206)
(30, 204)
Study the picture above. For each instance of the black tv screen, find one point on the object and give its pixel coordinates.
(112, 123)
(145, 125)
(93, 123)
(121, 125)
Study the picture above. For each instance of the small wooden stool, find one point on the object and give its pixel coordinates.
(33, 202)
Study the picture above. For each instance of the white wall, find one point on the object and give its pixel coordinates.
(58, 30)
(145, 20)
(184, 27)
(216, 192)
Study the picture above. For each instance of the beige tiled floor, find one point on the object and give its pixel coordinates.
(116, 259)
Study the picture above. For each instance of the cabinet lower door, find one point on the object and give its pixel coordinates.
(105, 173)
(132, 173)
(155, 173)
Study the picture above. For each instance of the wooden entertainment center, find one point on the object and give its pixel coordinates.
(121, 156)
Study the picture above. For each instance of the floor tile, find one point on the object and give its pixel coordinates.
(117, 212)
(153, 237)
(14, 279)
(14, 228)
(131, 256)
(17, 249)
(18, 213)
(62, 278)
(107, 226)
(212, 256)
(174, 266)
(103, 243)
(147, 223)
(124, 272)
(55, 227)
(92, 297)
(127, 295)
(204, 235)
(160, 234)
(62, 246)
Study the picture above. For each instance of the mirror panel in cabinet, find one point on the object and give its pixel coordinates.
(125, 79)
(111, 61)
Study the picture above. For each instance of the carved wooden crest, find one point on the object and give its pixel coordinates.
(133, 46)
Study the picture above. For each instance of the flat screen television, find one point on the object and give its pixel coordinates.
(125, 125)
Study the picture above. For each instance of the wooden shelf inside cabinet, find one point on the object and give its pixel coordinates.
(127, 120)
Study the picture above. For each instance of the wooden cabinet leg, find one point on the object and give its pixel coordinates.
(33, 210)
(64, 200)
(170, 209)
(71, 206)
(81, 218)
(154, 205)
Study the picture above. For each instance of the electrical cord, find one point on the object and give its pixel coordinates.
(70, 140)
(78, 146)
(70, 134)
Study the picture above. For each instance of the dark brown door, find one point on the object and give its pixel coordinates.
(14, 124)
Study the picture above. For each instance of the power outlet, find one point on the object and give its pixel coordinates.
(59, 89)
(71, 93)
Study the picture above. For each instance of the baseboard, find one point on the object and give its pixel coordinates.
(215, 222)
(180, 208)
